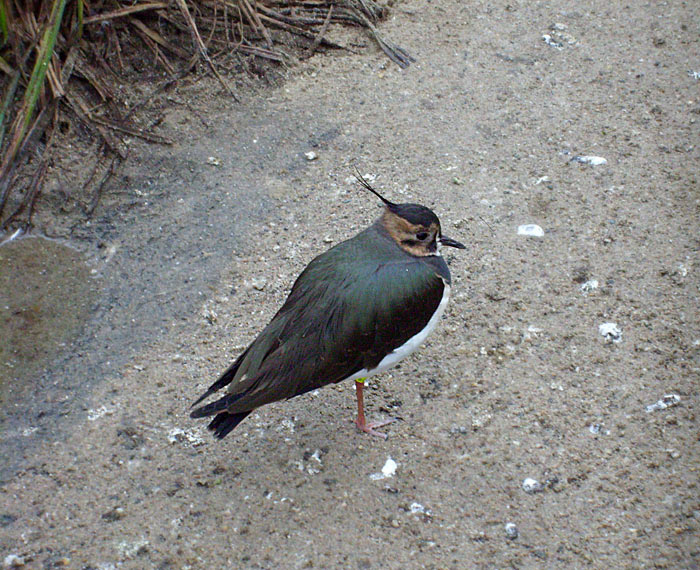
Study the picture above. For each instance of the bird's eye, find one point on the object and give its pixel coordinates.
(422, 236)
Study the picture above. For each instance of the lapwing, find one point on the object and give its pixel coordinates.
(355, 311)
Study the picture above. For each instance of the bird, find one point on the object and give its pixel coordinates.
(356, 310)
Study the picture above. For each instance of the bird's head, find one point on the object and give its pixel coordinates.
(415, 228)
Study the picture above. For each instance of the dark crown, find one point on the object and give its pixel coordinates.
(415, 213)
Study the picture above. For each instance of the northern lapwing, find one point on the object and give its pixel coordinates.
(355, 311)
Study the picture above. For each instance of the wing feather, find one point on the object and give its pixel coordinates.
(336, 333)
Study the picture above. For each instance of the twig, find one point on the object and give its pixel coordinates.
(159, 55)
(34, 190)
(300, 32)
(79, 107)
(116, 161)
(29, 197)
(260, 52)
(395, 53)
(88, 73)
(32, 193)
(255, 20)
(150, 96)
(69, 64)
(6, 102)
(157, 38)
(213, 26)
(321, 33)
(54, 78)
(202, 47)
(124, 12)
(114, 38)
(7, 179)
(133, 132)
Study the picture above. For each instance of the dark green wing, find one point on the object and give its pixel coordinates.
(333, 324)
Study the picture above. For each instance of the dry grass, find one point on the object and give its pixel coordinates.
(64, 58)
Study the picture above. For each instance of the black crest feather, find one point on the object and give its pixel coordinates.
(368, 186)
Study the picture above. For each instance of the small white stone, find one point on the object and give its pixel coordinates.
(96, 414)
(214, 161)
(311, 155)
(546, 38)
(388, 470)
(532, 486)
(417, 508)
(389, 467)
(532, 230)
(611, 332)
(598, 429)
(590, 285)
(666, 402)
(259, 283)
(179, 435)
(592, 160)
(13, 561)
(511, 531)
(210, 316)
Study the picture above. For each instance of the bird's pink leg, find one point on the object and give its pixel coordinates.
(360, 422)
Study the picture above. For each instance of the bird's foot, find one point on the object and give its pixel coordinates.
(369, 427)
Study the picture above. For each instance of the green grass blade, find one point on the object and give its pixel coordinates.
(4, 16)
(36, 81)
(79, 15)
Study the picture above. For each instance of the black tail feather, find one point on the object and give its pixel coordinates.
(216, 406)
(224, 380)
(224, 422)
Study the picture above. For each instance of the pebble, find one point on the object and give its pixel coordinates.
(611, 332)
(117, 513)
(532, 486)
(596, 429)
(532, 230)
(210, 316)
(592, 160)
(388, 470)
(511, 531)
(590, 285)
(179, 435)
(546, 38)
(417, 508)
(259, 283)
(13, 561)
(666, 402)
(311, 155)
(96, 414)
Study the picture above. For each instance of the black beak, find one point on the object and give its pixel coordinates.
(444, 240)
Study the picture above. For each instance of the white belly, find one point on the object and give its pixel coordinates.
(391, 359)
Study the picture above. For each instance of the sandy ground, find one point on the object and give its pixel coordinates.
(104, 469)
